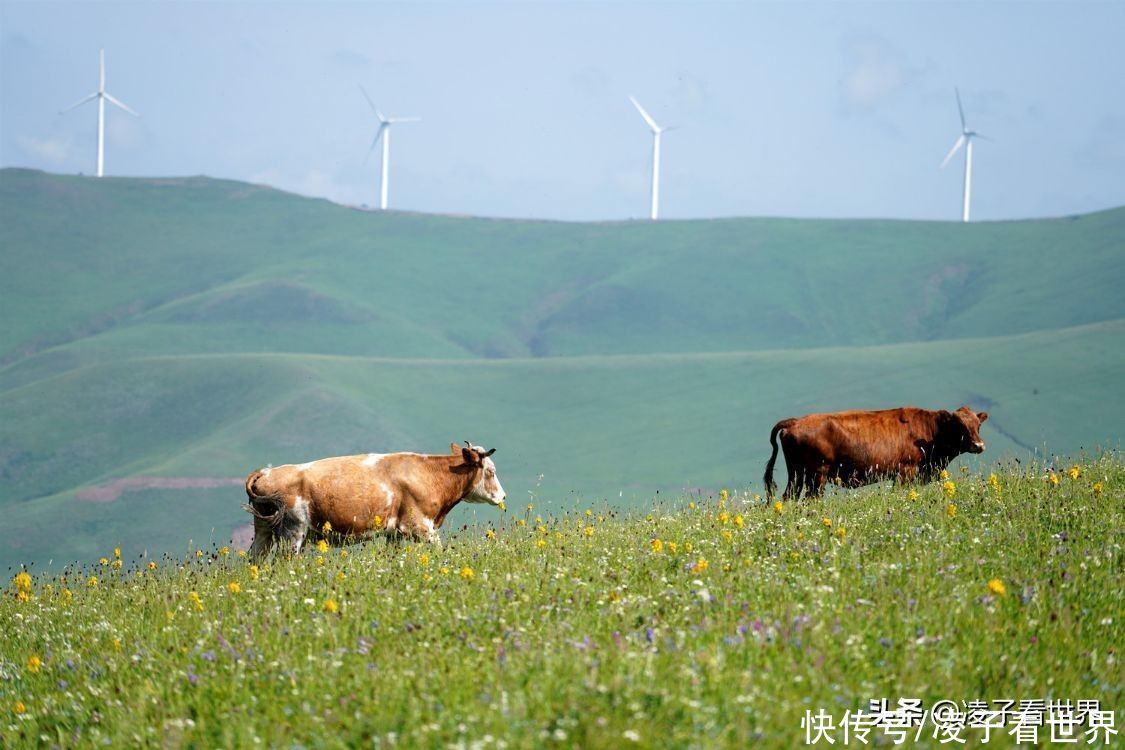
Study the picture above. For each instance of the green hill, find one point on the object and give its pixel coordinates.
(201, 328)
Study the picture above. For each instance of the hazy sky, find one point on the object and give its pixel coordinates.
(802, 109)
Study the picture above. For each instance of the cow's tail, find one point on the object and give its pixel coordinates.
(768, 478)
(261, 503)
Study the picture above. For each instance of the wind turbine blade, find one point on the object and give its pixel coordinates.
(111, 100)
(960, 110)
(648, 118)
(368, 98)
(403, 119)
(958, 144)
(91, 97)
(375, 142)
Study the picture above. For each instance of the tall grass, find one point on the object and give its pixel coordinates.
(710, 621)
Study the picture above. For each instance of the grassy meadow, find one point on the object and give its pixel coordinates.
(712, 620)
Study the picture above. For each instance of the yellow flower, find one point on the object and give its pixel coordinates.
(467, 573)
(331, 607)
(320, 562)
(727, 535)
(151, 565)
(23, 596)
(723, 495)
(700, 567)
(949, 488)
(253, 572)
(67, 596)
(672, 547)
(103, 561)
(529, 507)
(19, 708)
(951, 510)
(22, 581)
(195, 600)
(117, 552)
(234, 587)
(92, 581)
(841, 532)
(423, 559)
(540, 543)
(944, 474)
(1098, 488)
(589, 513)
(996, 586)
(687, 548)
(341, 576)
(503, 506)
(33, 664)
(589, 531)
(724, 518)
(994, 482)
(117, 565)
(657, 546)
(327, 527)
(1075, 471)
(444, 570)
(490, 534)
(778, 507)
(199, 553)
(343, 553)
(739, 521)
(827, 522)
(794, 555)
(116, 643)
(377, 521)
(522, 523)
(1053, 478)
(224, 551)
(691, 505)
(242, 553)
(322, 546)
(912, 495)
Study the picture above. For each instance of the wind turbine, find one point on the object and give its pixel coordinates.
(656, 131)
(102, 96)
(966, 140)
(384, 133)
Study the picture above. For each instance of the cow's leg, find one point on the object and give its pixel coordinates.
(815, 482)
(262, 544)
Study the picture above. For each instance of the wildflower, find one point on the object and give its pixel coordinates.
(687, 548)
(199, 553)
(529, 507)
(320, 562)
(724, 518)
(117, 552)
(195, 600)
(691, 505)
(242, 553)
(650, 518)
(327, 527)
(23, 596)
(116, 643)
(117, 564)
(490, 534)
(540, 543)
(951, 510)
(34, 664)
(996, 586)
(169, 614)
(92, 581)
(234, 587)
(944, 474)
(22, 581)
(727, 535)
(1074, 471)
(423, 559)
(377, 521)
(322, 546)
(523, 523)
(224, 551)
(19, 708)
(589, 531)
(827, 522)
(341, 576)
(253, 572)
(657, 546)
(949, 488)
(444, 570)
(994, 482)
(67, 596)
(151, 565)
(841, 532)
(1098, 488)
(739, 521)
(589, 513)
(503, 507)
(467, 573)
(672, 547)
(723, 495)
(700, 567)
(331, 607)
(778, 507)
(103, 561)
(912, 495)
(794, 555)
(1053, 478)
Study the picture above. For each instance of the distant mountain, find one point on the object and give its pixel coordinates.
(194, 329)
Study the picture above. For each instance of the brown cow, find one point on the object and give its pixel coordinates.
(862, 447)
(398, 494)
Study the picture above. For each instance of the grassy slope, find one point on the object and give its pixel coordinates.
(584, 634)
(199, 327)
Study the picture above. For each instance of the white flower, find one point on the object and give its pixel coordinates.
(631, 735)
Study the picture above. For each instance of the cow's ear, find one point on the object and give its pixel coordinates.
(454, 448)
(982, 415)
(470, 456)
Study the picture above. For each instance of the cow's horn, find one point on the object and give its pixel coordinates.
(486, 455)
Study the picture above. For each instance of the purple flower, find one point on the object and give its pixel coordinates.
(208, 656)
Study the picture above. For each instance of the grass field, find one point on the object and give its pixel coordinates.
(706, 621)
(196, 328)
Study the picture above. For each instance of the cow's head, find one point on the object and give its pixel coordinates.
(487, 488)
(963, 430)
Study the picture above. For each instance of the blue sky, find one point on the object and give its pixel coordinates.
(795, 109)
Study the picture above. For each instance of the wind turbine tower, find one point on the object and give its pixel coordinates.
(966, 140)
(656, 131)
(384, 133)
(102, 96)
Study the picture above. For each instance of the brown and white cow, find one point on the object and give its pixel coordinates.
(399, 494)
(862, 447)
